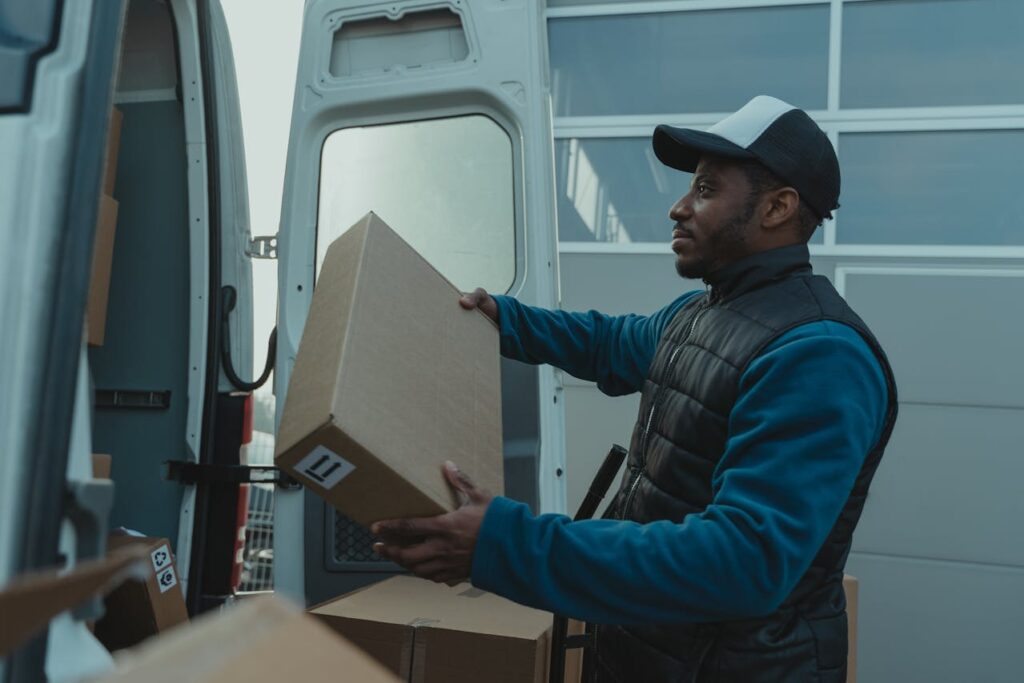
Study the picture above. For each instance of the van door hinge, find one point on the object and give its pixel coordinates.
(264, 246)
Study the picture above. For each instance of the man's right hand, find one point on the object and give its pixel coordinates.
(479, 298)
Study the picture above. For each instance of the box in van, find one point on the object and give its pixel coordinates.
(432, 633)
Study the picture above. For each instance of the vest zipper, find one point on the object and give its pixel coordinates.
(643, 446)
(654, 405)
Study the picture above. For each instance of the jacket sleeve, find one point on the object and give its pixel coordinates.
(810, 409)
(613, 351)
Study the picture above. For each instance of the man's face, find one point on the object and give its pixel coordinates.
(713, 221)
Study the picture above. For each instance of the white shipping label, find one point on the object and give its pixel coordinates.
(161, 558)
(166, 579)
(325, 467)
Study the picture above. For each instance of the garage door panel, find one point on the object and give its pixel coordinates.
(953, 336)
(617, 284)
(593, 423)
(949, 487)
(941, 622)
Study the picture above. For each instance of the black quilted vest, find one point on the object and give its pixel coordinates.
(679, 437)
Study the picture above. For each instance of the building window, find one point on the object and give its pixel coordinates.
(932, 187)
(932, 53)
(923, 99)
(688, 61)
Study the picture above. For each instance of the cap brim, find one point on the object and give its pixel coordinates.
(682, 148)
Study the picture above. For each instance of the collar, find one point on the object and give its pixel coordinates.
(756, 270)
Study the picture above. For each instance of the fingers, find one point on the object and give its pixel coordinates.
(479, 298)
(459, 482)
(430, 560)
(408, 531)
(414, 555)
(474, 299)
(465, 489)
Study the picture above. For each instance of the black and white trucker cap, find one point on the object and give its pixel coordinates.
(780, 136)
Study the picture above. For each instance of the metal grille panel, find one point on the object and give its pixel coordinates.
(258, 560)
(353, 543)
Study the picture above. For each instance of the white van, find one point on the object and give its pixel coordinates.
(433, 114)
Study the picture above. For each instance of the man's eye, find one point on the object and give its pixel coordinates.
(702, 188)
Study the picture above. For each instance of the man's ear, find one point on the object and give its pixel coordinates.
(782, 207)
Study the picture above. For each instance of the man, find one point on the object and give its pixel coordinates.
(766, 406)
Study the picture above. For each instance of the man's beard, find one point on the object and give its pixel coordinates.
(723, 246)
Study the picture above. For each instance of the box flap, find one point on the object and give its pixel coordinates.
(424, 604)
(260, 640)
(29, 603)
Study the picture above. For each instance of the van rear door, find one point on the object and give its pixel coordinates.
(56, 81)
(436, 116)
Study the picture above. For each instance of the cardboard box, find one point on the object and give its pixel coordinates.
(113, 148)
(851, 587)
(260, 640)
(102, 261)
(574, 657)
(29, 603)
(433, 633)
(392, 378)
(142, 608)
(101, 463)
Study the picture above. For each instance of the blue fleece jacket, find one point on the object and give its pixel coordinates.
(810, 407)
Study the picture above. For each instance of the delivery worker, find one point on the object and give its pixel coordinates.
(766, 404)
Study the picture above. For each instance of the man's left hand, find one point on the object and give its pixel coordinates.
(437, 548)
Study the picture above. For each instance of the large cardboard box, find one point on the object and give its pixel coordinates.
(139, 609)
(433, 633)
(260, 640)
(28, 603)
(391, 379)
(102, 262)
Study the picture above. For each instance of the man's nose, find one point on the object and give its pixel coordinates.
(681, 210)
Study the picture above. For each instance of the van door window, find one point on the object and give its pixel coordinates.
(445, 185)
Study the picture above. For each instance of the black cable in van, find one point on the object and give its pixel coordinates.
(228, 300)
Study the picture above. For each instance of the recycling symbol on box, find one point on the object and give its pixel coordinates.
(161, 558)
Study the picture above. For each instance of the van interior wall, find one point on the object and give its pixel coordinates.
(146, 346)
(147, 330)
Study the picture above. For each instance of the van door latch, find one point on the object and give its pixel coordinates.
(264, 246)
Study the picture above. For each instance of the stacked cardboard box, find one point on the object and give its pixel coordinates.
(141, 608)
(433, 633)
(261, 640)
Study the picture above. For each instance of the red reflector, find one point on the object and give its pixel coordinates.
(247, 419)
